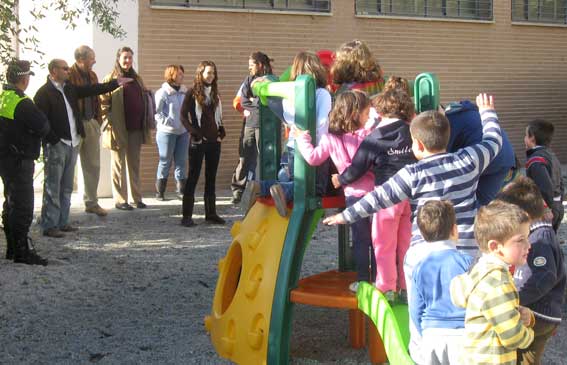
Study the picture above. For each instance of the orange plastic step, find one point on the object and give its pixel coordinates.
(327, 289)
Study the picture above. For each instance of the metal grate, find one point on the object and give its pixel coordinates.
(321, 6)
(455, 9)
(540, 11)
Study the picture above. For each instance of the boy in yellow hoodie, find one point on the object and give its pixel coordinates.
(495, 324)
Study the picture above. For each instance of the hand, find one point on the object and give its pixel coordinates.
(526, 316)
(335, 181)
(123, 80)
(334, 220)
(246, 113)
(484, 102)
(296, 132)
(222, 133)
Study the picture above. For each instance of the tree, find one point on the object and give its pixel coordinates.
(13, 36)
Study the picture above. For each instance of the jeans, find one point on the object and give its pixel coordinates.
(59, 170)
(286, 186)
(362, 242)
(172, 147)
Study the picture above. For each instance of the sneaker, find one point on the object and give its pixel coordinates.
(278, 195)
(353, 287)
(141, 205)
(53, 232)
(236, 197)
(97, 209)
(123, 206)
(68, 228)
(250, 195)
(391, 296)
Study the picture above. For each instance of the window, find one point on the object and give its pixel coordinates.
(451, 9)
(322, 6)
(540, 11)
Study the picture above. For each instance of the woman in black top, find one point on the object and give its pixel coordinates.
(201, 114)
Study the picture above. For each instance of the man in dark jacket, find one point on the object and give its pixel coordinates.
(58, 99)
(22, 125)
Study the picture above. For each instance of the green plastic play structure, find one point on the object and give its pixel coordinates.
(392, 323)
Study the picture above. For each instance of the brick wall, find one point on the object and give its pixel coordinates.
(523, 65)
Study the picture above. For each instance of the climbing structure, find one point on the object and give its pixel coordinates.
(252, 309)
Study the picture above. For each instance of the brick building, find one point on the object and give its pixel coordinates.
(515, 49)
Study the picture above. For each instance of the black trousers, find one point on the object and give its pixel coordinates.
(17, 213)
(210, 152)
(248, 156)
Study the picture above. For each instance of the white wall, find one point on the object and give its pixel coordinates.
(59, 42)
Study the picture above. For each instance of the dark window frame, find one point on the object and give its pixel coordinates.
(385, 8)
(319, 6)
(540, 18)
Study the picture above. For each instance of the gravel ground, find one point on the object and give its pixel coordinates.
(134, 287)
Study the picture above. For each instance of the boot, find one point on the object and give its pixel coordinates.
(180, 188)
(10, 244)
(211, 210)
(25, 253)
(188, 203)
(160, 189)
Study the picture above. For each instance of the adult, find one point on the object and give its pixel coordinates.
(172, 137)
(125, 129)
(201, 114)
(81, 74)
(259, 64)
(22, 125)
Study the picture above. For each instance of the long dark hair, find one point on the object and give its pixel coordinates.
(118, 71)
(263, 60)
(199, 84)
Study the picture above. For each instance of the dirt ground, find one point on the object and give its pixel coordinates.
(134, 287)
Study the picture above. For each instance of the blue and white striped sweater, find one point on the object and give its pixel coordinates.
(444, 176)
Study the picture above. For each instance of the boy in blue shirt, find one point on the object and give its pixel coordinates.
(439, 322)
(541, 281)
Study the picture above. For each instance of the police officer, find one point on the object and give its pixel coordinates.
(22, 125)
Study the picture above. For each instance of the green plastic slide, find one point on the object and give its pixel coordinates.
(392, 323)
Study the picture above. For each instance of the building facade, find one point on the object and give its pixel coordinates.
(505, 47)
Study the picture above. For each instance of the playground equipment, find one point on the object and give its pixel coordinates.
(259, 281)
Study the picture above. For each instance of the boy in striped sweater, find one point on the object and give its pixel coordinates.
(495, 324)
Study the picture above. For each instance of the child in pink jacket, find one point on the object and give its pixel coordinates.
(346, 133)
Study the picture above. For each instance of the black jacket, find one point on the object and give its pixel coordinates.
(250, 103)
(51, 102)
(387, 150)
(541, 282)
(21, 137)
(543, 167)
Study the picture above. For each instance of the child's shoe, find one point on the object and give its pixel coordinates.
(391, 296)
(278, 195)
(353, 287)
(249, 196)
(403, 296)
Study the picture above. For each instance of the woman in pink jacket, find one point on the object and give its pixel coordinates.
(346, 133)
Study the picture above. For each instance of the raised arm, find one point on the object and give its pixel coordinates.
(491, 142)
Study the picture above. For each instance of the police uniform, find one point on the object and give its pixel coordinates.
(22, 125)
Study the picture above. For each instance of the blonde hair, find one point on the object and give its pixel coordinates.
(498, 221)
(355, 63)
(171, 72)
(397, 83)
(345, 116)
(308, 63)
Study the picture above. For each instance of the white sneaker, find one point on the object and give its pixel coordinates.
(249, 196)
(278, 195)
(353, 287)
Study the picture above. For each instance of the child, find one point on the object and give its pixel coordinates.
(543, 167)
(346, 132)
(495, 325)
(437, 320)
(541, 282)
(303, 63)
(436, 175)
(386, 150)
